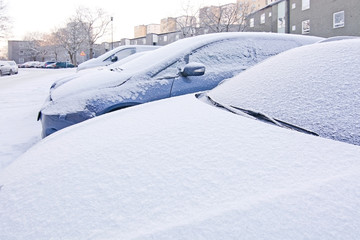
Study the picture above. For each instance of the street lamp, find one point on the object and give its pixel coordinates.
(112, 33)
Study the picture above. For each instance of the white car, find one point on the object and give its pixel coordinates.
(200, 167)
(30, 64)
(114, 55)
(5, 68)
(14, 67)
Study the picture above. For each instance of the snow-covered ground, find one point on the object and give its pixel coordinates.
(178, 168)
(21, 97)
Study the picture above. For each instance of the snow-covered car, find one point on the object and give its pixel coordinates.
(5, 68)
(316, 93)
(186, 66)
(114, 55)
(187, 168)
(30, 64)
(14, 67)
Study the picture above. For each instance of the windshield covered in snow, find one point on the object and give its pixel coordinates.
(318, 92)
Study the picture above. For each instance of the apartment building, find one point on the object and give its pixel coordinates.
(253, 5)
(323, 18)
(168, 25)
(139, 31)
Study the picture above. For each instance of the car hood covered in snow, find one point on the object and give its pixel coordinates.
(91, 79)
(318, 92)
(181, 169)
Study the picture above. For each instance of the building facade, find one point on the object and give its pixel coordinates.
(323, 18)
(168, 25)
(139, 31)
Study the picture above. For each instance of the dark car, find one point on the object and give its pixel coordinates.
(60, 65)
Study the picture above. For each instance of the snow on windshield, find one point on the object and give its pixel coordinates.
(314, 87)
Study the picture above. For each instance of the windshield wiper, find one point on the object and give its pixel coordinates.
(260, 116)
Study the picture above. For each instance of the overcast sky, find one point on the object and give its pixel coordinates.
(45, 15)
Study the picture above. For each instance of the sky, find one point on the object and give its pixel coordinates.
(44, 16)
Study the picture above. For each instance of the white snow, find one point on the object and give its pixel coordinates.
(172, 169)
(21, 97)
(318, 92)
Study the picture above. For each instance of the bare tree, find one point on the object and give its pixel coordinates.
(244, 9)
(223, 18)
(94, 23)
(53, 46)
(5, 23)
(187, 22)
(71, 38)
(35, 45)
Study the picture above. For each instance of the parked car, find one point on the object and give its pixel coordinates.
(47, 63)
(14, 67)
(188, 168)
(60, 65)
(317, 93)
(188, 65)
(5, 68)
(114, 55)
(30, 64)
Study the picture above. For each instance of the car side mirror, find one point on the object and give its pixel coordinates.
(114, 59)
(193, 69)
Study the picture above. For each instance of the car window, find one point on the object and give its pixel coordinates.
(242, 53)
(121, 54)
(171, 70)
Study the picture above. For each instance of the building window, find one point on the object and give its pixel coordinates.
(269, 14)
(165, 38)
(262, 18)
(339, 19)
(252, 24)
(305, 27)
(305, 4)
(293, 6)
(293, 28)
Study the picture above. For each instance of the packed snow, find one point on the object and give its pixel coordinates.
(171, 169)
